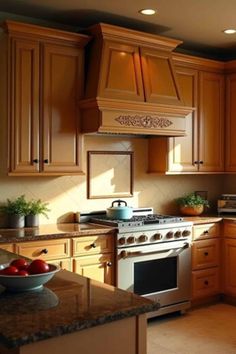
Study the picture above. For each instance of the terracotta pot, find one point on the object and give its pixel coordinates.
(193, 211)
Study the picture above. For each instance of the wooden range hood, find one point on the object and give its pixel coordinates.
(131, 85)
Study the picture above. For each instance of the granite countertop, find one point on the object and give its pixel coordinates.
(67, 303)
(53, 231)
(203, 219)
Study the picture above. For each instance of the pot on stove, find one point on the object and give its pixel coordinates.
(119, 212)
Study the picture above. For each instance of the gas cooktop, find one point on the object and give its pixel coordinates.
(138, 220)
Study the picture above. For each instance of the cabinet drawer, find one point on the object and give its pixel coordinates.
(205, 254)
(205, 282)
(8, 247)
(206, 231)
(98, 267)
(50, 249)
(229, 229)
(92, 245)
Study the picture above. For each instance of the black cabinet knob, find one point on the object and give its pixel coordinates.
(45, 251)
(205, 253)
(35, 161)
(201, 162)
(109, 264)
(93, 245)
(196, 162)
(46, 161)
(206, 282)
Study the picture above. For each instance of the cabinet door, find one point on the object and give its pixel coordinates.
(211, 122)
(120, 75)
(160, 82)
(205, 254)
(230, 123)
(63, 263)
(182, 152)
(62, 88)
(98, 267)
(229, 267)
(205, 283)
(24, 106)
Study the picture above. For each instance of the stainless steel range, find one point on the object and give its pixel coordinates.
(154, 258)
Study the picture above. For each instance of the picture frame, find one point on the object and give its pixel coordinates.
(109, 174)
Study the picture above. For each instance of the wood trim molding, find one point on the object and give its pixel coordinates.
(28, 30)
(135, 37)
(198, 62)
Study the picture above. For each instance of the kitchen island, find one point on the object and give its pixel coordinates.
(72, 314)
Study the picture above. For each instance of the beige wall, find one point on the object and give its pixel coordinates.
(67, 195)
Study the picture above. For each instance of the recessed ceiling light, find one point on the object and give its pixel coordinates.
(229, 31)
(148, 12)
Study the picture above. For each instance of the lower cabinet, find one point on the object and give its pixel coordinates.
(99, 267)
(229, 272)
(206, 261)
(91, 256)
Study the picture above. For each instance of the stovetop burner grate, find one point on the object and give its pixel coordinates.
(139, 220)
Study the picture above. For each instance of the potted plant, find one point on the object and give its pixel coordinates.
(33, 210)
(192, 204)
(15, 210)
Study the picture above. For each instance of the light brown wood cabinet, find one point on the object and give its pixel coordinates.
(205, 261)
(93, 257)
(45, 84)
(230, 163)
(202, 149)
(90, 256)
(229, 258)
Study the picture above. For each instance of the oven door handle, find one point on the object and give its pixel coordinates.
(126, 254)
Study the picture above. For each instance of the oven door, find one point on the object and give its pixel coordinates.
(161, 272)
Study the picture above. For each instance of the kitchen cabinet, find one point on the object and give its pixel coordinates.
(202, 149)
(10, 247)
(230, 165)
(45, 84)
(206, 261)
(52, 251)
(93, 257)
(229, 258)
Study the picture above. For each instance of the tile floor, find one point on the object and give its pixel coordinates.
(206, 330)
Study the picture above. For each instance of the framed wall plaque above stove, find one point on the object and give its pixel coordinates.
(109, 174)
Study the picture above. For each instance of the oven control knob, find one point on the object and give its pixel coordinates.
(157, 236)
(142, 238)
(121, 241)
(178, 234)
(186, 233)
(170, 234)
(131, 239)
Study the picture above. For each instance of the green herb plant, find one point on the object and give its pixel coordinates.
(17, 206)
(36, 207)
(192, 200)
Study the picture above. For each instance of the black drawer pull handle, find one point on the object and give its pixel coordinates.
(45, 251)
(206, 282)
(206, 232)
(46, 161)
(93, 245)
(35, 161)
(109, 264)
(206, 253)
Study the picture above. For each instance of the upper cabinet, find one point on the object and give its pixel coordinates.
(230, 156)
(202, 149)
(45, 83)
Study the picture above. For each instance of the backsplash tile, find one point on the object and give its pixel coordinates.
(68, 194)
